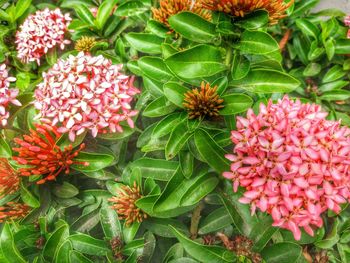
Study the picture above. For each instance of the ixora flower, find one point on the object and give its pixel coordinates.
(7, 95)
(41, 154)
(293, 163)
(204, 102)
(41, 32)
(275, 8)
(13, 211)
(124, 204)
(85, 44)
(86, 93)
(9, 178)
(347, 23)
(168, 8)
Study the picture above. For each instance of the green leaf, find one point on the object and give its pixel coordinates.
(144, 42)
(157, 169)
(96, 161)
(336, 95)
(177, 140)
(129, 232)
(240, 66)
(66, 190)
(28, 197)
(312, 69)
(85, 14)
(212, 153)
(167, 124)
(131, 8)
(333, 74)
(193, 27)
(342, 46)
(235, 103)
(110, 222)
(262, 232)
(55, 240)
(175, 93)
(257, 42)
(197, 62)
(216, 220)
(62, 252)
(104, 12)
(155, 69)
(186, 163)
(86, 222)
(5, 150)
(75, 256)
(161, 226)
(159, 107)
(285, 252)
(8, 247)
(89, 245)
(267, 81)
(331, 239)
(149, 247)
(307, 28)
(21, 7)
(205, 254)
(254, 20)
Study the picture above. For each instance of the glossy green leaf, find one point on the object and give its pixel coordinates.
(21, 7)
(159, 107)
(216, 220)
(193, 27)
(28, 197)
(212, 153)
(282, 252)
(89, 245)
(131, 8)
(205, 254)
(66, 190)
(8, 247)
(144, 42)
(5, 150)
(110, 222)
(235, 103)
(240, 66)
(175, 93)
(197, 62)
(55, 240)
(85, 14)
(96, 161)
(178, 139)
(257, 42)
(155, 68)
(267, 81)
(307, 28)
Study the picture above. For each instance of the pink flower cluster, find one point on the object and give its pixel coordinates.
(7, 95)
(347, 23)
(41, 32)
(293, 163)
(86, 93)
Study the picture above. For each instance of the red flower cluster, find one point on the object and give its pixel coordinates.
(293, 163)
(9, 178)
(40, 152)
(13, 211)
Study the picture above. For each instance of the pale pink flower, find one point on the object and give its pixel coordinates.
(293, 163)
(347, 20)
(86, 93)
(7, 95)
(41, 32)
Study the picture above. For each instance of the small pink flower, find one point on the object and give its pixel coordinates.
(293, 163)
(41, 32)
(7, 95)
(86, 93)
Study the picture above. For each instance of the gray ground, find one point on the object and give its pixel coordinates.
(343, 5)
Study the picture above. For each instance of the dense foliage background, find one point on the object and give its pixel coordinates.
(184, 209)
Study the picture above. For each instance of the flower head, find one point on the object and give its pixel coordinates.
(275, 8)
(86, 93)
(125, 204)
(204, 102)
(293, 163)
(41, 32)
(7, 95)
(85, 44)
(169, 8)
(41, 154)
(9, 178)
(13, 211)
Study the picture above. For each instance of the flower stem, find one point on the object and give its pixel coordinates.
(195, 220)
